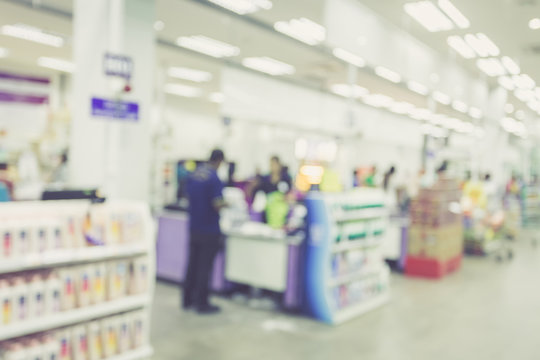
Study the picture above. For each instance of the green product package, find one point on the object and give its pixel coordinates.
(276, 209)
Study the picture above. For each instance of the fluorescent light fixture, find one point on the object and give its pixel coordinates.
(429, 16)
(534, 24)
(523, 81)
(348, 91)
(491, 67)
(243, 7)
(420, 114)
(56, 64)
(534, 105)
(520, 114)
(378, 100)
(31, 33)
(513, 126)
(401, 107)
(537, 92)
(453, 13)
(302, 29)
(482, 45)
(217, 97)
(388, 74)
(509, 108)
(349, 57)
(159, 25)
(268, 65)
(208, 46)
(183, 90)
(510, 65)
(524, 95)
(3, 52)
(189, 74)
(441, 98)
(475, 113)
(417, 87)
(460, 106)
(493, 50)
(460, 46)
(507, 83)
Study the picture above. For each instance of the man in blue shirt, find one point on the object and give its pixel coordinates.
(204, 189)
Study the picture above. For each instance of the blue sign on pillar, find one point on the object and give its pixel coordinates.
(115, 109)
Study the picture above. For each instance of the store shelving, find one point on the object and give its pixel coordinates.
(72, 317)
(353, 311)
(142, 353)
(127, 235)
(345, 273)
(69, 257)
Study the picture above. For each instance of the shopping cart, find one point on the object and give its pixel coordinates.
(531, 210)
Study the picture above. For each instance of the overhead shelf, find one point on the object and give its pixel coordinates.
(353, 245)
(358, 275)
(359, 215)
(73, 317)
(353, 311)
(70, 256)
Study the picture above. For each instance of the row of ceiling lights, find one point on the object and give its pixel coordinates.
(446, 17)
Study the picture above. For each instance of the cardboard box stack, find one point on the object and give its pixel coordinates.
(436, 234)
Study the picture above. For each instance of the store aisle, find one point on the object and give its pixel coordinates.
(486, 311)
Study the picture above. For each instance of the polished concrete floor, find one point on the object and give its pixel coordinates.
(485, 311)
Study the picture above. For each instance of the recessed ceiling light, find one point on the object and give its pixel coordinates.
(460, 106)
(159, 25)
(208, 46)
(510, 65)
(534, 24)
(523, 81)
(268, 65)
(243, 7)
(458, 44)
(349, 57)
(453, 13)
(401, 107)
(189, 74)
(429, 16)
(509, 108)
(491, 67)
(475, 113)
(31, 33)
(348, 91)
(217, 97)
(417, 87)
(441, 97)
(56, 64)
(183, 90)
(378, 100)
(303, 29)
(420, 114)
(482, 45)
(3, 52)
(388, 74)
(524, 95)
(507, 83)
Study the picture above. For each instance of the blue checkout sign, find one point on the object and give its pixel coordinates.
(115, 109)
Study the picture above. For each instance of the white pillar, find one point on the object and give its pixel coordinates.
(112, 154)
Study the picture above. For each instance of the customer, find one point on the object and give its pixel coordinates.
(371, 180)
(278, 179)
(204, 189)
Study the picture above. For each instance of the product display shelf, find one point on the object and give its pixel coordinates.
(345, 274)
(353, 311)
(73, 317)
(70, 257)
(143, 353)
(349, 245)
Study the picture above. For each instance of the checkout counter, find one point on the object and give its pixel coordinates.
(254, 255)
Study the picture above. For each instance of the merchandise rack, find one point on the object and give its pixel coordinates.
(339, 225)
(80, 256)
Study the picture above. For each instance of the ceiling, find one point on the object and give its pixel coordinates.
(254, 34)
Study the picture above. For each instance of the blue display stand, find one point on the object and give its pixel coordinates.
(345, 275)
